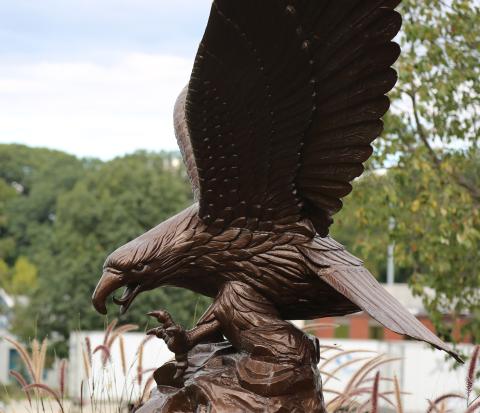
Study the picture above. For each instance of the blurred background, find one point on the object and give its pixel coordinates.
(88, 161)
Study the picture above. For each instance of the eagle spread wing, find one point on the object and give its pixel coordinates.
(283, 102)
(285, 98)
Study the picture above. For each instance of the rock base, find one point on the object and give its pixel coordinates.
(220, 379)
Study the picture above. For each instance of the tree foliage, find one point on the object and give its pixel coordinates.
(431, 150)
(60, 216)
(20, 279)
(65, 216)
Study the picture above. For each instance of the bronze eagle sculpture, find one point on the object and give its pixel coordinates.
(284, 101)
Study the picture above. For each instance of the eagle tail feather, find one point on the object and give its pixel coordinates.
(358, 285)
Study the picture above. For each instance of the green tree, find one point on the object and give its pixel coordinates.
(38, 177)
(431, 150)
(21, 279)
(24, 277)
(7, 242)
(109, 205)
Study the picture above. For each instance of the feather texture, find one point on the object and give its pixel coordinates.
(283, 103)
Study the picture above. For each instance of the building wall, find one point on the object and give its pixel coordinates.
(423, 373)
(121, 385)
(5, 348)
(362, 327)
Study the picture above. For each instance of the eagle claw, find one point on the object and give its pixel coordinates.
(175, 337)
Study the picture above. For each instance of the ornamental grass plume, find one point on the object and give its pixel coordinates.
(398, 395)
(24, 356)
(362, 392)
(140, 364)
(62, 371)
(87, 363)
(106, 355)
(474, 407)
(376, 384)
(148, 385)
(441, 399)
(117, 333)
(472, 370)
(22, 382)
(123, 358)
(358, 387)
(48, 390)
(88, 345)
(111, 326)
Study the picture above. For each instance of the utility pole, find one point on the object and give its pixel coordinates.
(390, 254)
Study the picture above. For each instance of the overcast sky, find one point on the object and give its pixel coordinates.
(95, 78)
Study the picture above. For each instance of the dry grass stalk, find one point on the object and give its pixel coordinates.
(341, 354)
(22, 382)
(106, 356)
(382, 379)
(359, 377)
(472, 370)
(382, 396)
(36, 358)
(357, 385)
(376, 384)
(473, 408)
(367, 371)
(328, 375)
(140, 364)
(324, 347)
(331, 391)
(61, 377)
(88, 345)
(146, 389)
(24, 356)
(81, 396)
(140, 358)
(437, 401)
(345, 365)
(123, 358)
(432, 407)
(339, 401)
(109, 330)
(87, 366)
(47, 390)
(146, 371)
(118, 333)
(318, 326)
(355, 377)
(398, 395)
(145, 341)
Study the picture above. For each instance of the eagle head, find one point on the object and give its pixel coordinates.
(143, 264)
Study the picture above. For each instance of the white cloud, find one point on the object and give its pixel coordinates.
(92, 109)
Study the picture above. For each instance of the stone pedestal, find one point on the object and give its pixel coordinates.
(220, 379)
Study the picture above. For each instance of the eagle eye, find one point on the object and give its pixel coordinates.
(139, 267)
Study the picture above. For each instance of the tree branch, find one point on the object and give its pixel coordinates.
(421, 131)
(459, 178)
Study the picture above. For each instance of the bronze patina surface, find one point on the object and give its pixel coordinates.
(283, 103)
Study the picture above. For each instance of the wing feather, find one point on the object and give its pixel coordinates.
(284, 100)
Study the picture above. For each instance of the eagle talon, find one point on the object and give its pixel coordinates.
(158, 331)
(163, 317)
(175, 337)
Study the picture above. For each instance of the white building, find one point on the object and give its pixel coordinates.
(8, 354)
(119, 376)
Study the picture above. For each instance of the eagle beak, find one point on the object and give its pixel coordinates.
(106, 286)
